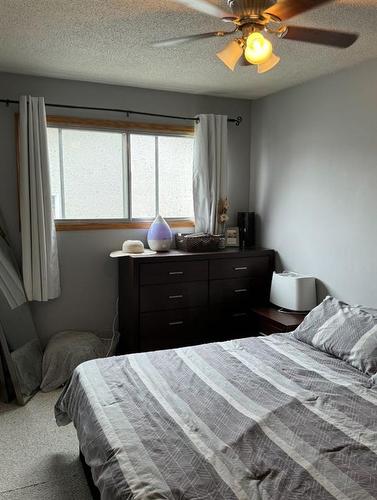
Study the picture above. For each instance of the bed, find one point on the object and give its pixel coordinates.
(257, 418)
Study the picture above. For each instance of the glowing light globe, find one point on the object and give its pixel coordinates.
(258, 49)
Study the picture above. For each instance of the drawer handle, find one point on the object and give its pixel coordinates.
(175, 296)
(175, 323)
(175, 273)
(239, 315)
(240, 290)
(244, 268)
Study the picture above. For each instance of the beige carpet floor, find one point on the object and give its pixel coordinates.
(38, 459)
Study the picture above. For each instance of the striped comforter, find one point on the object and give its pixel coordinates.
(258, 418)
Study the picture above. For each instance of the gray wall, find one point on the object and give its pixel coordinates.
(314, 172)
(89, 277)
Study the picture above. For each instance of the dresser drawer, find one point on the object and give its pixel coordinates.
(232, 324)
(173, 272)
(171, 329)
(239, 321)
(232, 291)
(246, 267)
(174, 296)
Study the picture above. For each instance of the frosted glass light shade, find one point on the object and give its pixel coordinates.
(231, 54)
(271, 63)
(258, 49)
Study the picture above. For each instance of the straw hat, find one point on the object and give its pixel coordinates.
(132, 247)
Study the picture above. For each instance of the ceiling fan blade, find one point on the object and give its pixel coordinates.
(285, 9)
(332, 38)
(269, 65)
(206, 7)
(231, 54)
(172, 42)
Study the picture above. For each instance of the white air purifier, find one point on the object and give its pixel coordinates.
(293, 291)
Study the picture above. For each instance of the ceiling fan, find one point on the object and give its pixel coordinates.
(251, 18)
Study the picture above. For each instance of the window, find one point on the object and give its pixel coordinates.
(119, 174)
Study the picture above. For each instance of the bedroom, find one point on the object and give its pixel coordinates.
(303, 160)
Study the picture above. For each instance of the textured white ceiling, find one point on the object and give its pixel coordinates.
(108, 41)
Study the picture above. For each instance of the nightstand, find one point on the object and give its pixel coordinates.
(268, 320)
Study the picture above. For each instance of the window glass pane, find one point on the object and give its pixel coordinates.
(93, 174)
(175, 176)
(143, 189)
(53, 154)
(93, 183)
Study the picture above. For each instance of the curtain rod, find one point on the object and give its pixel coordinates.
(128, 112)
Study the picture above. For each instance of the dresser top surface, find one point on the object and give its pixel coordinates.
(219, 254)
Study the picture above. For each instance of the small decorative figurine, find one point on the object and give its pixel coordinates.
(222, 215)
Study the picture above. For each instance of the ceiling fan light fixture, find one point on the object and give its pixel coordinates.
(251, 18)
(268, 65)
(231, 54)
(258, 49)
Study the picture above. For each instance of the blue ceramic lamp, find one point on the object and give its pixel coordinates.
(159, 235)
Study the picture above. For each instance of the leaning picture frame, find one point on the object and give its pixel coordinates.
(232, 237)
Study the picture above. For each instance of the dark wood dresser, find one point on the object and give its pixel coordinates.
(176, 299)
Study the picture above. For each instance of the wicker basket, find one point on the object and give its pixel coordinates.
(199, 242)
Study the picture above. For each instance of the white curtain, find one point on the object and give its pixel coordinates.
(40, 265)
(210, 170)
(10, 283)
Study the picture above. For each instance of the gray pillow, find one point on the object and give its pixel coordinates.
(347, 332)
(64, 352)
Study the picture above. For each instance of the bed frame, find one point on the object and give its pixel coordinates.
(88, 475)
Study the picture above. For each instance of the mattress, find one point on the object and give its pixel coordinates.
(257, 418)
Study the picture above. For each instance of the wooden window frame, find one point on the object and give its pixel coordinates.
(119, 126)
